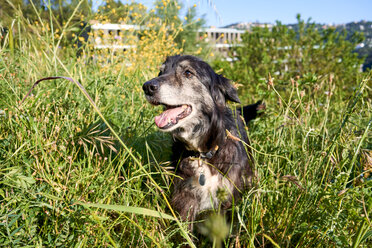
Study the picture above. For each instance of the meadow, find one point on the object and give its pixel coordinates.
(86, 167)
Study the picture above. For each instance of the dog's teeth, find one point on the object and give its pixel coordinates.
(184, 106)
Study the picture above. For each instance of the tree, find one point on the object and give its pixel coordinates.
(285, 53)
(188, 36)
(7, 11)
(60, 11)
(169, 12)
(117, 12)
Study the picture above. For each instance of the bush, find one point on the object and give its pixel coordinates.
(285, 53)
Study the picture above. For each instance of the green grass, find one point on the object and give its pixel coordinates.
(66, 179)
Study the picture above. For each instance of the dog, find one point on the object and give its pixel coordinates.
(210, 148)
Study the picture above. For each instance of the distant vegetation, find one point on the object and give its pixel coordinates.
(86, 167)
(351, 29)
(364, 28)
(302, 50)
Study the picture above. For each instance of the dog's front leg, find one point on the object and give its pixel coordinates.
(187, 205)
(185, 198)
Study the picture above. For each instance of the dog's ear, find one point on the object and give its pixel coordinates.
(227, 90)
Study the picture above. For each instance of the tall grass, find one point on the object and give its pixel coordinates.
(67, 180)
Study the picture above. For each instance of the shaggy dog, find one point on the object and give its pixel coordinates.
(209, 148)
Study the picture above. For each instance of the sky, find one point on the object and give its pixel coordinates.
(268, 11)
(223, 12)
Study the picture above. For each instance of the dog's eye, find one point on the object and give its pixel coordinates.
(187, 74)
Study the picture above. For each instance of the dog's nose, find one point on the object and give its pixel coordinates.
(150, 87)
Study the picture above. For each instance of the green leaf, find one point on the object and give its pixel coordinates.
(127, 209)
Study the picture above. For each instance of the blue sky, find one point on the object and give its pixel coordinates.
(268, 11)
(320, 11)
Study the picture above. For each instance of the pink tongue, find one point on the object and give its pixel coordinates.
(170, 114)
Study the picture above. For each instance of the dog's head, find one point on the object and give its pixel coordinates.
(194, 98)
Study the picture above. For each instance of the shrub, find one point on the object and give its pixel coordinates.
(287, 53)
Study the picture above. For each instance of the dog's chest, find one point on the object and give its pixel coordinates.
(205, 185)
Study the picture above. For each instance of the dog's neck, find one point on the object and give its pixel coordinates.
(196, 143)
(190, 137)
(191, 143)
(197, 138)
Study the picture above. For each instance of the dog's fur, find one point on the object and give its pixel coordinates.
(190, 82)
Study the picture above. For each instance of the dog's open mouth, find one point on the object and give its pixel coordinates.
(171, 115)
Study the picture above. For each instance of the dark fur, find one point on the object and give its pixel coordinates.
(202, 133)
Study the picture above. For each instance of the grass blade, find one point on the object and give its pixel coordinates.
(128, 209)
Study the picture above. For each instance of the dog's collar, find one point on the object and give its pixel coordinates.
(209, 154)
